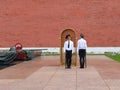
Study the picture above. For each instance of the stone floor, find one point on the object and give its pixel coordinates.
(45, 73)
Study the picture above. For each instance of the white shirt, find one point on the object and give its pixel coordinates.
(82, 44)
(71, 47)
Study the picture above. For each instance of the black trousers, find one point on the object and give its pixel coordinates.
(82, 56)
(68, 57)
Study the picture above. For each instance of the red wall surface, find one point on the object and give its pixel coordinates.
(38, 23)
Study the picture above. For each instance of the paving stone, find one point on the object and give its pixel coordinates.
(55, 77)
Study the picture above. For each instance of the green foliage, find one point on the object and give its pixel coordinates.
(115, 57)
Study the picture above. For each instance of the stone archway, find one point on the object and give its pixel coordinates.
(62, 40)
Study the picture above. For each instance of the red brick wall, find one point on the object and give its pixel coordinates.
(38, 23)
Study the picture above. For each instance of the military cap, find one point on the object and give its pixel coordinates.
(67, 36)
(82, 35)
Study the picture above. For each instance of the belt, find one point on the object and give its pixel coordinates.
(68, 50)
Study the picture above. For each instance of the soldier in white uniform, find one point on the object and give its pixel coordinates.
(68, 50)
(82, 45)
